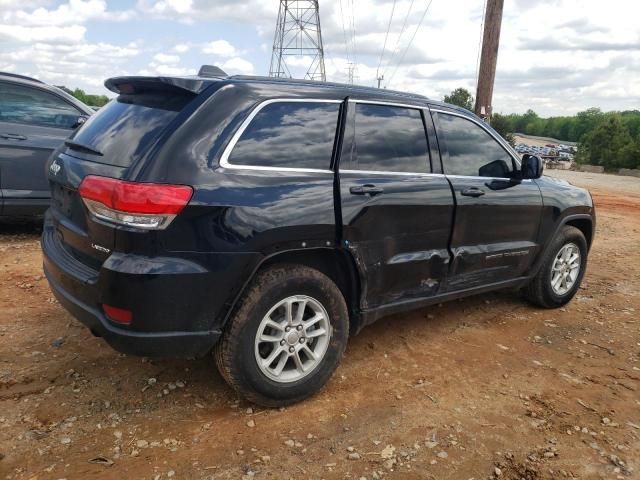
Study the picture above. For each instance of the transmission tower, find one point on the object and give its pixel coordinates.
(298, 34)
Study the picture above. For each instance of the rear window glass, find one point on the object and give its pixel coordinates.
(126, 127)
(290, 135)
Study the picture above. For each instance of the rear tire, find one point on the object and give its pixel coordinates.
(286, 336)
(562, 270)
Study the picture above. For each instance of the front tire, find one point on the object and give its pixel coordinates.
(286, 336)
(562, 270)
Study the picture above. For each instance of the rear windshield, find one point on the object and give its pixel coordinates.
(128, 125)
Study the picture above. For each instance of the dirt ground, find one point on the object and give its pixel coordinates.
(487, 387)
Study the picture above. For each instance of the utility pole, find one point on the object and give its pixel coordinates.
(298, 33)
(489, 58)
(379, 78)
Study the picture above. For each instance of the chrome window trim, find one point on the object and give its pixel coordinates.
(224, 159)
(487, 178)
(483, 126)
(378, 172)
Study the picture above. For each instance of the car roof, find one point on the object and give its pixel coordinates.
(15, 77)
(357, 91)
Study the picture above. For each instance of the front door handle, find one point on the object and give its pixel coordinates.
(12, 136)
(367, 189)
(472, 192)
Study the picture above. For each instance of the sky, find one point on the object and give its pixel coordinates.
(556, 57)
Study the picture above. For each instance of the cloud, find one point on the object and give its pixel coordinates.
(182, 48)
(167, 6)
(71, 13)
(254, 12)
(19, 33)
(169, 70)
(583, 26)
(556, 56)
(219, 48)
(553, 44)
(238, 65)
(164, 58)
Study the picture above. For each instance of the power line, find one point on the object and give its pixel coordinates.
(410, 42)
(353, 33)
(344, 32)
(384, 45)
(397, 45)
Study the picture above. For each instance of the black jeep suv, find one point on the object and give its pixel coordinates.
(271, 219)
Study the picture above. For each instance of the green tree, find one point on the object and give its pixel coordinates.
(502, 125)
(91, 100)
(609, 145)
(522, 122)
(460, 97)
(584, 123)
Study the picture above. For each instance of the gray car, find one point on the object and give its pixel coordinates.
(35, 118)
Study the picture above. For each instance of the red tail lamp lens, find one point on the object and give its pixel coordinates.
(133, 197)
(149, 206)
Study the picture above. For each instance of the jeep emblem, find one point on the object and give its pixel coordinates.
(55, 167)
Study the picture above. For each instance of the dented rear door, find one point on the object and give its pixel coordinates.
(397, 211)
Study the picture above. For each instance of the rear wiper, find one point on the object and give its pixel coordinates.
(82, 147)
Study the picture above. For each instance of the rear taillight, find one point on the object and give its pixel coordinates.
(151, 206)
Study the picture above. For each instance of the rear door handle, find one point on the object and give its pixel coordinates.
(367, 189)
(12, 136)
(472, 192)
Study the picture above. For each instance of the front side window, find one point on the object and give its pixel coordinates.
(289, 135)
(472, 150)
(389, 138)
(32, 106)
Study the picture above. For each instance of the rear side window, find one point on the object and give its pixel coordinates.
(289, 135)
(32, 106)
(389, 138)
(472, 151)
(127, 126)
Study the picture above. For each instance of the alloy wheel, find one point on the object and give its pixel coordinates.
(292, 338)
(565, 269)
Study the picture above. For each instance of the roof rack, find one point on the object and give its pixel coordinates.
(22, 77)
(211, 71)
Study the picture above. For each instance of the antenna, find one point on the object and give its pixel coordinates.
(298, 34)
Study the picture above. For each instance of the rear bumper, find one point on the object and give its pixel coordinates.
(178, 304)
(157, 344)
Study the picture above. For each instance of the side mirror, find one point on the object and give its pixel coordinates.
(532, 166)
(80, 120)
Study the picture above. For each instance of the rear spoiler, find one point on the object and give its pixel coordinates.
(144, 84)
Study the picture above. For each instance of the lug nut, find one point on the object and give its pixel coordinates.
(282, 342)
(302, 340)
(299, 327)
(291, 349)
(286, 329)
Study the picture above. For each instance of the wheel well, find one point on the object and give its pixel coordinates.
(585, 226)
(338, 265)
